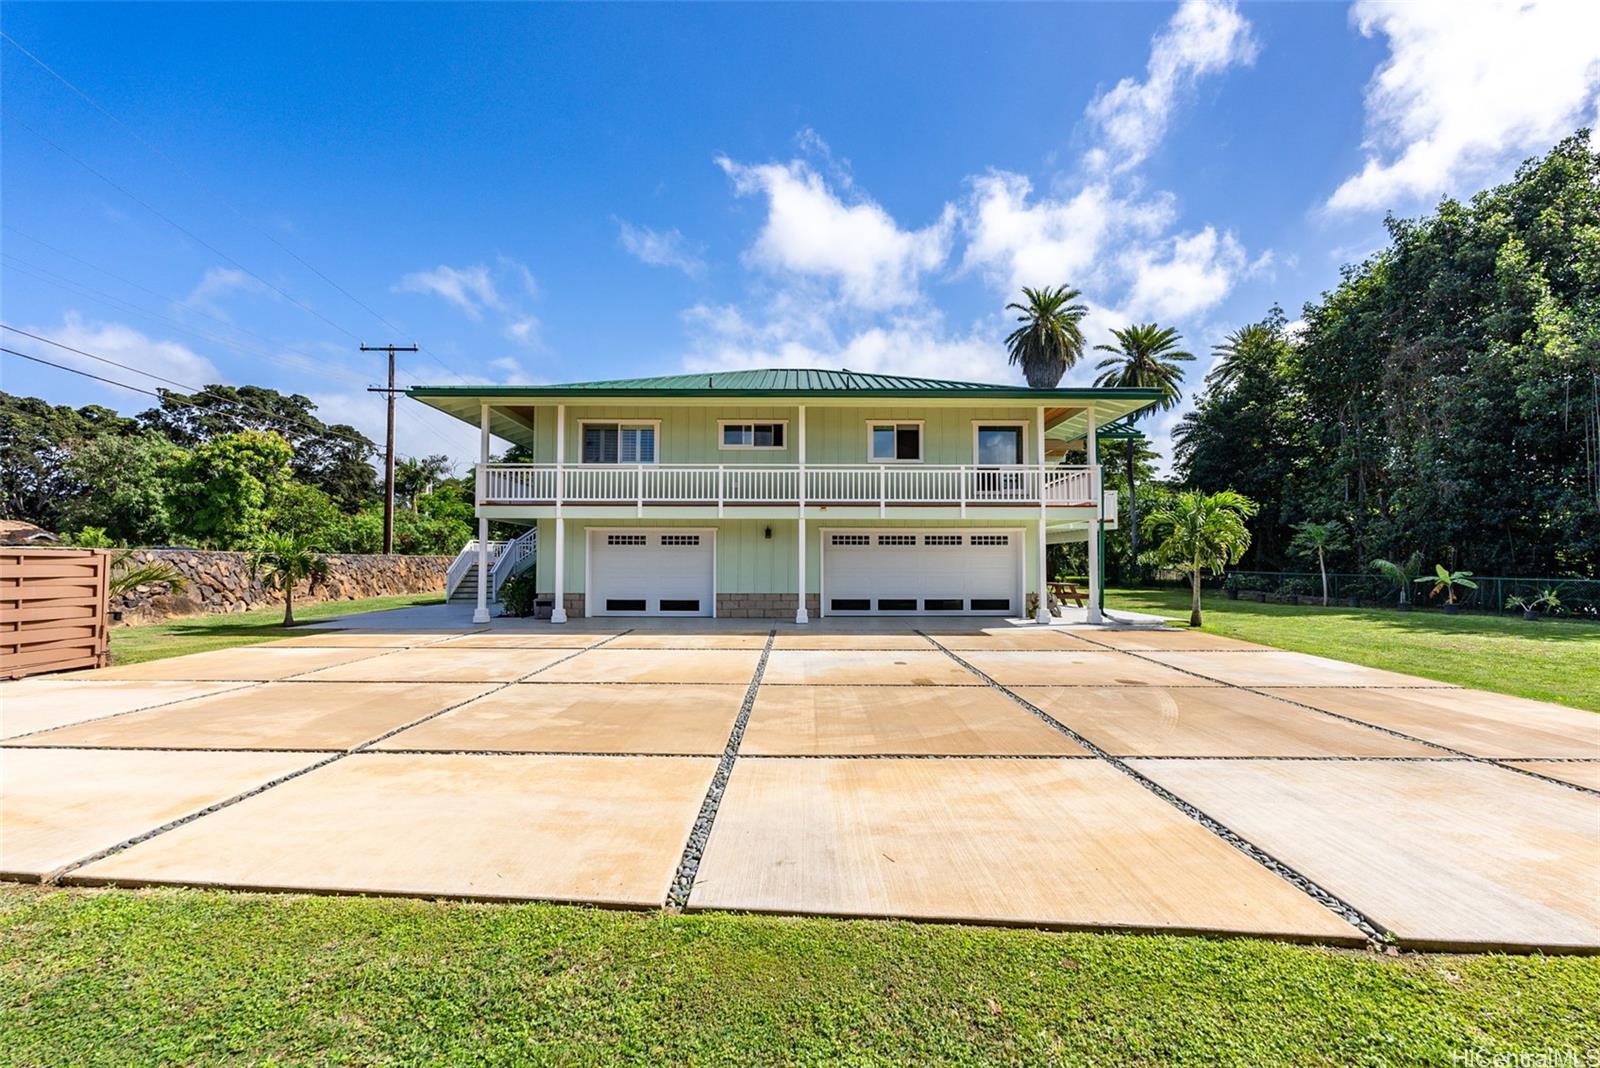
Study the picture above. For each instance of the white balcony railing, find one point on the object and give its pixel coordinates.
(745, 484)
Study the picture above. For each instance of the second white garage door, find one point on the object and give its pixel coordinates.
(922, 572)
(634, 572)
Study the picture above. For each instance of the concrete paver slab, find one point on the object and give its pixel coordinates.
(29, 705)
(275, 715)
(1447, 855)
(901, 720)
(1057, 842)
(865, 668)
(1025, 639)
(435, 664)
(58, 806)
(656, 665)
(256, 663)
(1473, 721)
(585, 718)
(1582, 774)
(551, 638)
(607, 830)
(1279, 668)
(1169, 638)
(689, 640)
(1209, 721)
(1077, 667)
(358, 639)
(838, 640)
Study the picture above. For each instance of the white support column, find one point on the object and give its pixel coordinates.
(1094, 526)
(1042, 615)
(480, 614)
(558, 610)
(800, 562)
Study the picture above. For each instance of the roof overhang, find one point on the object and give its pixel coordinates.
(511, 407)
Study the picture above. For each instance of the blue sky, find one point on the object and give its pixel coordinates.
(555, 193)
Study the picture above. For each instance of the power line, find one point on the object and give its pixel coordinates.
(92, 102)
(85, 374)
(358, 437)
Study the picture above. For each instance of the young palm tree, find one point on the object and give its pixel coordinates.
(1146, 356)
(282, 562)
(1050, 340)
(1401, 574)
(415, 477)
(1318, 540)
(1197, 533)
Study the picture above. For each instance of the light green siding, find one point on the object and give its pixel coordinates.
(747, 560)
(834, 435)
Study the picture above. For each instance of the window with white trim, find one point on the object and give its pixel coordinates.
(625, 539)
(680, 539)
(894, 442)
(851, 539)
(897, 539)
(753, 436)
(941, 539)
(619, 443)
(991, 539)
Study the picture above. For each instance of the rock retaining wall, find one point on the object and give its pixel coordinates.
(220, 582)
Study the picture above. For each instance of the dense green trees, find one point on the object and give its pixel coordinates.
(219, 469)
(1444, 398)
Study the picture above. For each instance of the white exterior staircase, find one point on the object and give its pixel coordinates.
(506, 558)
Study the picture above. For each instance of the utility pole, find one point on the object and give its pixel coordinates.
(388, 447)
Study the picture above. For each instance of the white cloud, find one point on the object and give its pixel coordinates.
(472, 289)
(1018, 241)
(524, 330)
(1202, 37)
(171, 360)
(858, 247)
(1187, 276)
(216, 283)
(1467, 88)
(659, 248)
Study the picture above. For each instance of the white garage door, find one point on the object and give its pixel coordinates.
(650, 573)
(922, 572)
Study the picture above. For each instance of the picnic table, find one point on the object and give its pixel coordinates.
(1067, 591)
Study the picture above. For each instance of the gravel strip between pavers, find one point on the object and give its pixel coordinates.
(695, 848)
(1375, 932)
(1499, 762)
(57, 875)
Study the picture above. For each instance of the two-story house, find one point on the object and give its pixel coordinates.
(789, 493)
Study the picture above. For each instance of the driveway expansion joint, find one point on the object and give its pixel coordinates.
(694, 850)
(1376, 933)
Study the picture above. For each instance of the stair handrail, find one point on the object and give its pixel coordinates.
(509, 562)
(462, 564)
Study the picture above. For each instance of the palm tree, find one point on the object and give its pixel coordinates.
(1146, 356)
(415, 477)
(283, 561)
(1050, 340)
(1200, 532)
(1401, 574)
(1318, 540)
(1246, 345)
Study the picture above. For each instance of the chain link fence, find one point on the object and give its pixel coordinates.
(1578, 598)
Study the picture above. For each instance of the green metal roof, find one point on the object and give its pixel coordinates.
(792, 383)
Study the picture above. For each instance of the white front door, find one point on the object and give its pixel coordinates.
(922, 572)
(637, 571)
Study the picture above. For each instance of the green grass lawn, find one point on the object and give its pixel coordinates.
(198, 634)
(189, 976)
(1549, 661)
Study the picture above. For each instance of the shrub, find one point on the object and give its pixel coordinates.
(517, 594)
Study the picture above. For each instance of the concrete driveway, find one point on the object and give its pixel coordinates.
(933, 769)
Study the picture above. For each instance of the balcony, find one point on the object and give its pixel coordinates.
(880, 486)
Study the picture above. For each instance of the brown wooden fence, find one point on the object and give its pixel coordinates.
(52, 609)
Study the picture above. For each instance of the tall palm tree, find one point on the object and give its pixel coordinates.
(1050, 339)
(1318, 540)
(1146, 356)
(1200, 532)
(1246, 345)
(416, 477)
(283, 561)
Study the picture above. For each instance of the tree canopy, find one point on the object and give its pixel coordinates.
(1444, 398)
